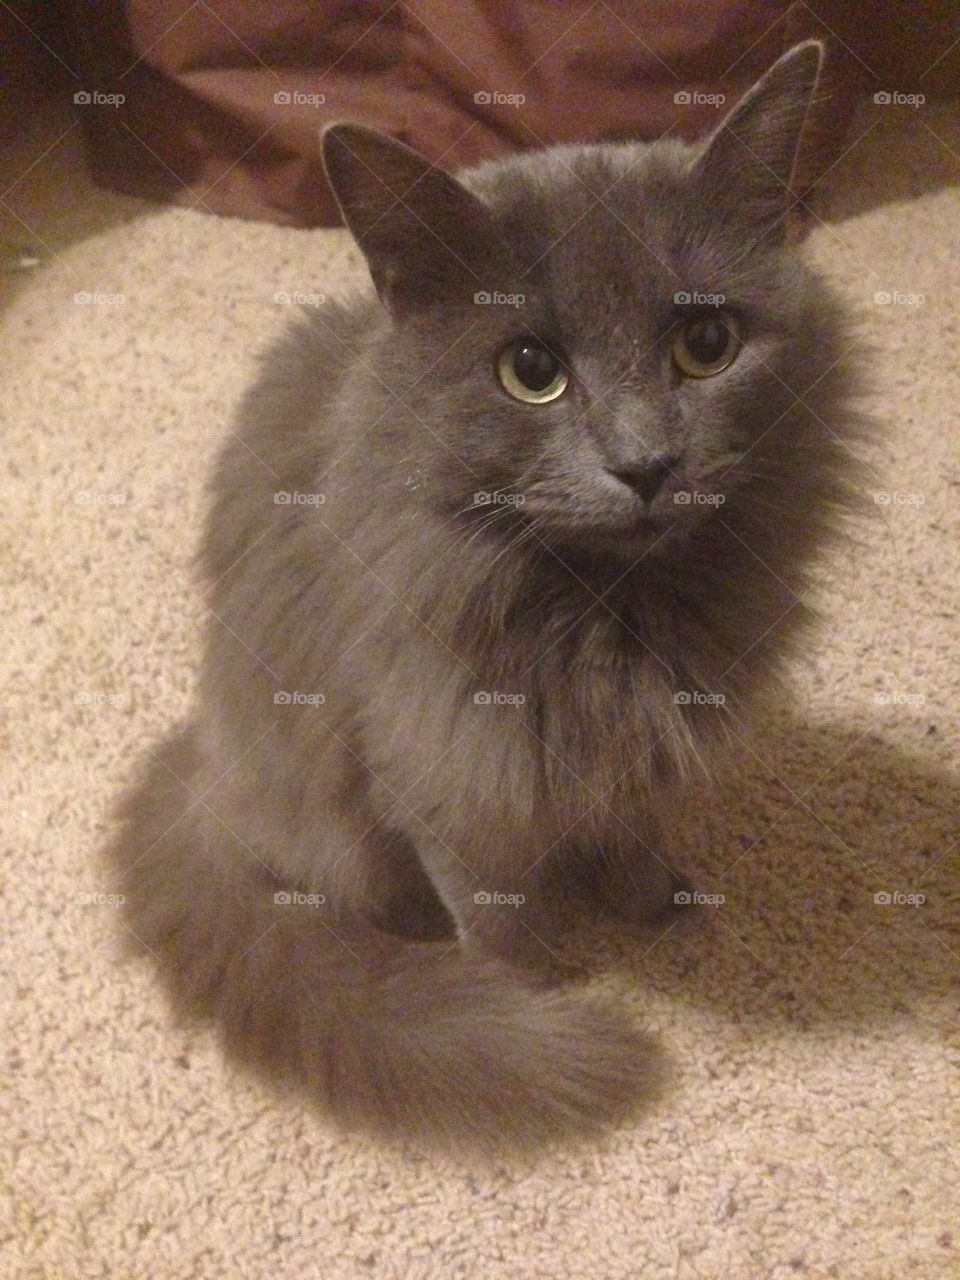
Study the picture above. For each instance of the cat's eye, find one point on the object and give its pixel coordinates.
(707, 344)
(531, 372)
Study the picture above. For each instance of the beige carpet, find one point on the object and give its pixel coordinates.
(811, 1128)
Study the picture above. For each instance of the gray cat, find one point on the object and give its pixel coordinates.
(496, 560)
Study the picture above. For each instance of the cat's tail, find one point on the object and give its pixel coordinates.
(404, 1039)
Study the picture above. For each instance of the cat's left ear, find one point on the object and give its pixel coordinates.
(424, 236)
(750, 163)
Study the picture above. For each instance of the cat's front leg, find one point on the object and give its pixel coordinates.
(504, 911)
(630, 877)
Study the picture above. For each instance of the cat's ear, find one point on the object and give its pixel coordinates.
(751, 162)
(424, 236)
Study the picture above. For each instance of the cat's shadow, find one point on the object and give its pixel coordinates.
(803, 849)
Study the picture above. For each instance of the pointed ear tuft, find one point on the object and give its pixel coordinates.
(425, 237)
(750, 161)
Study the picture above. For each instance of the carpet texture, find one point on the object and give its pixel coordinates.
(810, 1126)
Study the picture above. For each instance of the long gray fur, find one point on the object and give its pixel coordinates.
(402, 1003)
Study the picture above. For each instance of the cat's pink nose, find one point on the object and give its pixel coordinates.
(646, 479)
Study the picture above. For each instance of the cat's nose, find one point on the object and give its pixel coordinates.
(646, 478)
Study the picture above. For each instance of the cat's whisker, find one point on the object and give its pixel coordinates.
(527, 532)
(485, 524)
(479, 506)
(498, 497)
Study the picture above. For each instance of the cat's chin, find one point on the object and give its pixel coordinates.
(641, 538)
(630, 541)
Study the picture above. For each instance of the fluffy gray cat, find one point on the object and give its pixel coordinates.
(495, 561)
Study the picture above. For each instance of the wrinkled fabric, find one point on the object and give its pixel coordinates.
(222, 106)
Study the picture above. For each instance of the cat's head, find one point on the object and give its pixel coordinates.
(610, 343)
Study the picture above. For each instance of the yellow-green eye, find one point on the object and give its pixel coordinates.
(707, 344)
(532, 373)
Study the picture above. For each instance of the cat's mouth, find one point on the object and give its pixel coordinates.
(633, 537)
(650, 531)
(658, 528)
(631, 527)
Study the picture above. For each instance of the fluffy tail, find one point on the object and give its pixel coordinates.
(407, 1040)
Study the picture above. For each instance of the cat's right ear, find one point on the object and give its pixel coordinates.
(424, 236)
